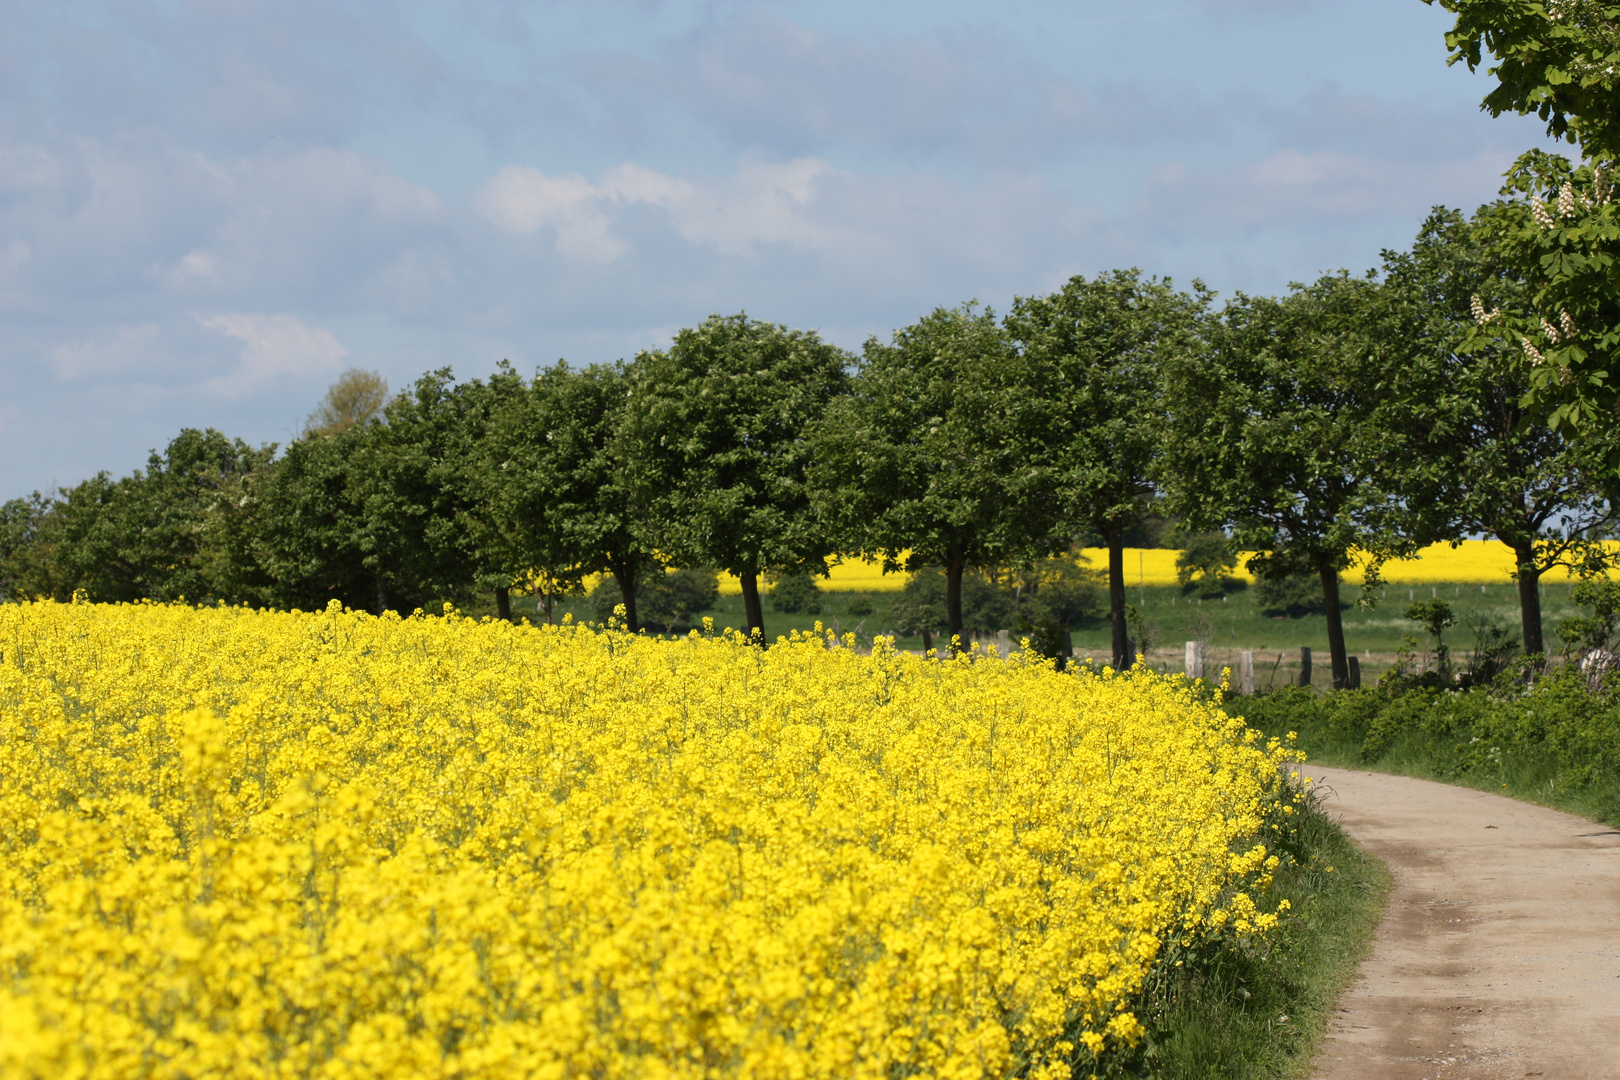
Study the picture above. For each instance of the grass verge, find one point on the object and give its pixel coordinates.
(1554, 745)
(1260, 1011)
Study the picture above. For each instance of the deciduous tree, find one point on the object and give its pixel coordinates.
(1481, 460)
(717, 428)
(931, 460)
(1093, 351)
(1274, 432)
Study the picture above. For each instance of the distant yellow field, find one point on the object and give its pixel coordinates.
(1474, 562)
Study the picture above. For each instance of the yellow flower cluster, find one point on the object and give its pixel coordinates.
(252, 844)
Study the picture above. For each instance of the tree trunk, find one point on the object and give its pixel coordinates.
(624, 572)
(953, 596)
(1338, 657)
(503, 603)
(1529, 601)
(545, 600)
(753, 613)
(382, 596)
(1116, 600)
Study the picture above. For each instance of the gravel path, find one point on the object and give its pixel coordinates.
(1499, 956)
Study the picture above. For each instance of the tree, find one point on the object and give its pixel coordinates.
(1558, 59)
(1480, 457)
(169, 531)
(717, 445)
(376, 515)
(931, 460)
(1094, 349)
(1205, 563)
(1275, 432)
(417, 490)
(30, 538)
(308, 521)
(556, 485)
(356, 397)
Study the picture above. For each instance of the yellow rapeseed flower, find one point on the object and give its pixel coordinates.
(253, 844)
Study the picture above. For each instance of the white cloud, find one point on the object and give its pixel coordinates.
(274, 345)
(524, 200)
(763, 202)
(129, 350)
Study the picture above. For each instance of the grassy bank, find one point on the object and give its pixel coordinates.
(1261, 1012)
(1556, 744)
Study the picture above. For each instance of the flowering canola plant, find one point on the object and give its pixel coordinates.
(254, 844)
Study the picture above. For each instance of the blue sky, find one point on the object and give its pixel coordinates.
(209, 208)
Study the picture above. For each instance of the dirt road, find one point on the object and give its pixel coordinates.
(1499, 956)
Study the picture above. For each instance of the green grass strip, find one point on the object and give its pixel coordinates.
(1259, 1010)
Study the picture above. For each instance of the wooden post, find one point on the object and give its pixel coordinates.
(1003, 643)
(1246, 672)
(1355, 673)
(1304, 665)
(1130, 649)
(1195, 660)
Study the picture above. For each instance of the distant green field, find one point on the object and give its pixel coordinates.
(1227, 627)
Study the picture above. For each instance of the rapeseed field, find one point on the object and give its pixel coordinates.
(248, 844)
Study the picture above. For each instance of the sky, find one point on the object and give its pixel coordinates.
(211, 208)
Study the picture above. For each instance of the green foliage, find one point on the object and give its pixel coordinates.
(669, 600)
(1555, 58)
(795, 594)
(555, 482)
(30, 530)
(1205, 564)
(1596, 629)
(356, 397)
(1433, 615)
(1050, 597)
(1091, 349)
(1436, 618)
(1291, 595)
(861, 605)
(1556, 740)
(175, 529)
(928, 460)
(1479, 458)
(1558, 59)
(1279, 431)
(716, 427)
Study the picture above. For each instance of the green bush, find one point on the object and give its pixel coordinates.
(1556, 740)
(795, 594)
(861, 606)
(666, 602)
(1293, 595)
(1205, 564)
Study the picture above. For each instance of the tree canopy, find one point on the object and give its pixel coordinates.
(716, 429)
(1090, 351)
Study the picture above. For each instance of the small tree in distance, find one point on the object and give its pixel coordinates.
(356, 397)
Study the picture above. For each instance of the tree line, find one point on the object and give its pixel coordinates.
(1353, 418)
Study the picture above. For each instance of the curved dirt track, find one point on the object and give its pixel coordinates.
(1499, 955)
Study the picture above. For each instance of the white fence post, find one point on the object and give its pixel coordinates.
(1246, 672)
(1195, 659)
